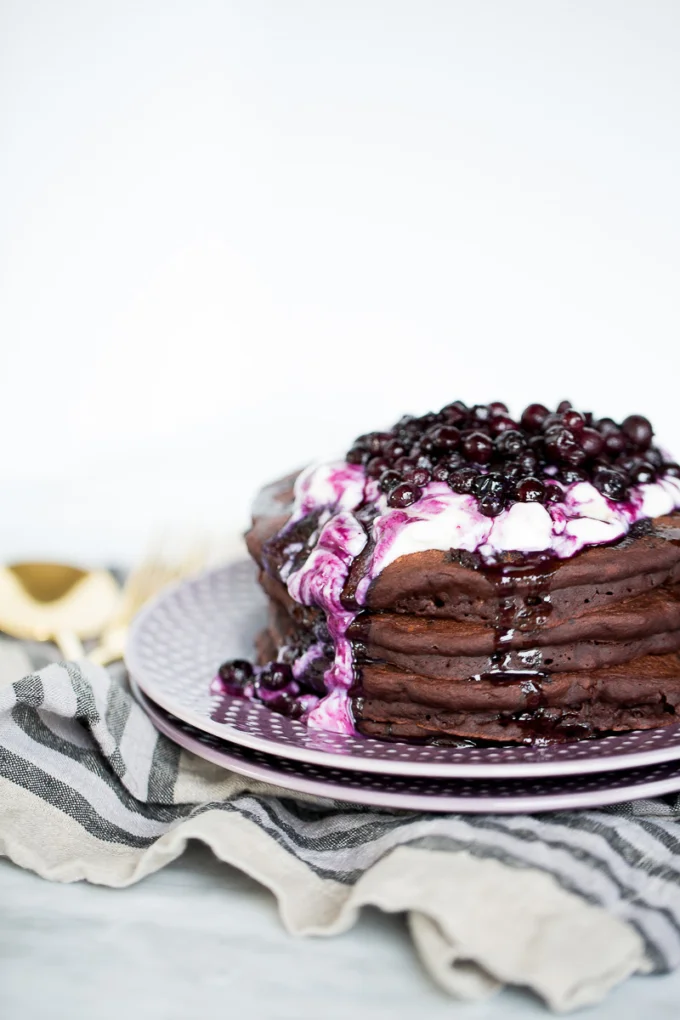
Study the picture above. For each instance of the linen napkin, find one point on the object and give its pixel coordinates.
(567, 904)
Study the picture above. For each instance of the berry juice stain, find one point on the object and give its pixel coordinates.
(523, 607)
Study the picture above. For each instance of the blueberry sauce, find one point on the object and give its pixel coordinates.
(475, 480)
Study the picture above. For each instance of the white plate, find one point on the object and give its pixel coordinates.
(421, 793)
(178, 642)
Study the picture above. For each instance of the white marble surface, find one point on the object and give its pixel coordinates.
(200, 939)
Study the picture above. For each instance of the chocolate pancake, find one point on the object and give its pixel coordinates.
(467, 574)
(588, 645)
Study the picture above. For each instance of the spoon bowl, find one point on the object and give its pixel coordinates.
(56, 602)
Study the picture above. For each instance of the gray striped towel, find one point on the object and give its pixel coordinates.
(566, 904)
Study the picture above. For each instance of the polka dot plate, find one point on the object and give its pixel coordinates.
(421, 793)
(178, 641)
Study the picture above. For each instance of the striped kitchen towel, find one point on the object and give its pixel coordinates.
(566, 904)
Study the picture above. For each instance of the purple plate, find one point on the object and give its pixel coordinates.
(420, 793)
(178, 641)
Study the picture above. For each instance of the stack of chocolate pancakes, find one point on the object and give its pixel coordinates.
(489, 643)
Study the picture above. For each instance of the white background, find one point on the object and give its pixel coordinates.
(235, 234)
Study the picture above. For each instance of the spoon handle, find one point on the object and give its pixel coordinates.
(69, 644)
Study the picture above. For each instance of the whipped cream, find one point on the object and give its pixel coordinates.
(440, 520)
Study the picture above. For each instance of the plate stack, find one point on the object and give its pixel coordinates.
(178, 641)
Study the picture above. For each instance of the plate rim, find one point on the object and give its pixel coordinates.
(486, 804)
(313, 756)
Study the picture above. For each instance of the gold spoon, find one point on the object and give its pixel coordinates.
(56, 602)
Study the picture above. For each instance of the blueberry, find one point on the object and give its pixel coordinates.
(283, 703)
(570, 475)
(573, 420)
(502, 423)
(642, 473)
(462, 478)
(388, 481)
(491, 505)
(357, 455)
(611, 483)
(561, 445)
(551, 420)
(235, 674)
(564, 405)
(533, 417)
(615, 442)
(404, 422)
(445, 437)
(276, 676)
(441, 472)
(478, 447)
(553, 493)
(606, 425)
(638, 430)
(422, 460)
(393, 448)
(511, 470)
(376, 466)
(489, 485)
(652, 456)
(510, 443)
(527, 463)
(404, 495)
(591, 442)
(375, 441)
(530, 490)
(671, 469)
(455, 413)
(403, 464)
(419, 477)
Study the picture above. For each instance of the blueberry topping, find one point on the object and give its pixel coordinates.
(642, 473)
(573, 420)
(638, 430)
(553, 493)
(483, 450)
(478, 447)
(445, 437)
(510, 443)
(277, 676)
(654, 457)
(533, 417)
(285, 704)
(591, 442)
(502, 423)
(488, 485)
(403, 495)
(235, 673)
(561, 446)
(389, 480)
(615, 442)
(357, 455)
(462, 478)
(530, 490)
(376, 466)
(491, 505)
(441, 472)
(611, 483)
(394, 448)
(419, 477)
